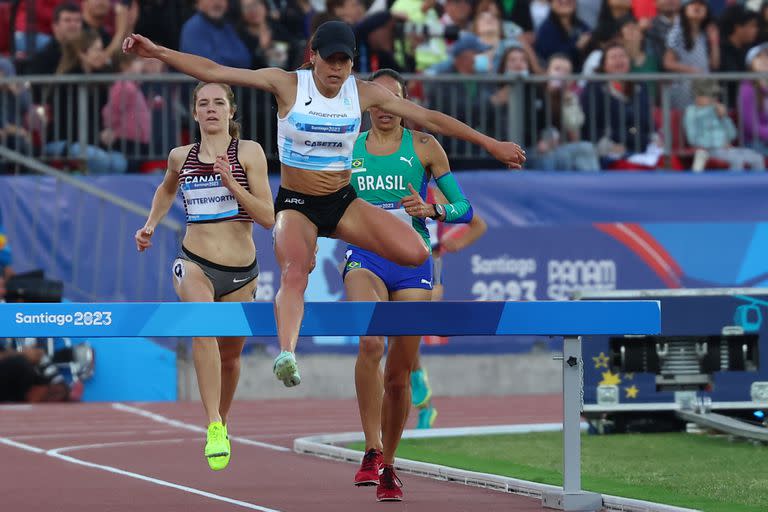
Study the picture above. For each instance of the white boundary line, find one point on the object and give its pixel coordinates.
(56, 454)
(188, 426)
(321, 446)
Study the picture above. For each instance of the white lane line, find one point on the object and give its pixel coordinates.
(112, 445)
(18, 407)
(56, 454)
(70, 434)
(194, 428)
(22, 446)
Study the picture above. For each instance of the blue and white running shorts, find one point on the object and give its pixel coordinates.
(395, 277)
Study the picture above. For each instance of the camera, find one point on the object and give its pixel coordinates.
(33, 287)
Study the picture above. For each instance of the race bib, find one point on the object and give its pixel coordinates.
(398, 211)
(208, 200)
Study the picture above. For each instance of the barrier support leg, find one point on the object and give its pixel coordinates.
(572, 498)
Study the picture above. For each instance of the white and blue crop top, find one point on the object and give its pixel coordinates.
(319, 133)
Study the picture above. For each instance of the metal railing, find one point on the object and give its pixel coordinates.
(65, 118)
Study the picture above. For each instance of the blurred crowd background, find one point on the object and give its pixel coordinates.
(584, 85)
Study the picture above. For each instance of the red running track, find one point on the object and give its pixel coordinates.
(105, 457)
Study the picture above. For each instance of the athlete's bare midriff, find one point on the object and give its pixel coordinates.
(313, 183)
(226, 243)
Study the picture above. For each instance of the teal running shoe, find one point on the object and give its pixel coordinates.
(421, 392)
(427, 417)
(286, 370)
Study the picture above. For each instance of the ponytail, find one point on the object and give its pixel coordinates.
(234, 129)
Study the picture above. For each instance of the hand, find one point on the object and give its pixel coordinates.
(415, 206)
(500, 97)
(508, 153)
(713, 35)
(583, 40)
(224, 169)
(265, 39)
(143, 238)
(107, 137)
(720, 109)
(140, 46)
(451, 245)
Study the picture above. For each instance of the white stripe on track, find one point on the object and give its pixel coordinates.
(56, 454)
(194, 428)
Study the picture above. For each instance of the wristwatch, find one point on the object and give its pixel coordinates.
(439, 211)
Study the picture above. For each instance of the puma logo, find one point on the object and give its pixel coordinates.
(428, 283)
(409, 161)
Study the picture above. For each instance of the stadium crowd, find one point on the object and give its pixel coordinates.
(582, 125)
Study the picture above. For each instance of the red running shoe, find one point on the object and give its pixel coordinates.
(389, 485)
(368, 474)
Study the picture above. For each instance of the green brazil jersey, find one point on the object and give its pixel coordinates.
(383, 180)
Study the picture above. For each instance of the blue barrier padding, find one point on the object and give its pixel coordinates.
(171, 319)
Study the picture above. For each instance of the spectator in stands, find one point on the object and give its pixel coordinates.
(563, 32)
(516, 19)
(66, 27)
(559, 118)
(161, 20)
(693, 47)
(666, 17)
(458, 13)
(84, 56)
(209, 35)
(349, 11)
(514, 62)
(488, 27)
(32, 30)
(467, 96)
(738, 30)
(14, 103)
(296, 16)
(126, 116)
(421, 34)
(612, 12)
(268, 42)
(376, 45)
(753, 100)
(162, 98)
(708, 128)
(96, 17)
(629, 33)
(642, 58)
(618, 113)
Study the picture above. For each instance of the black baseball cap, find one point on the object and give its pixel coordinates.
(334, 37)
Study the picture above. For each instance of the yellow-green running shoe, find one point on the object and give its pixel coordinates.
(286, 370)
(217, 448)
